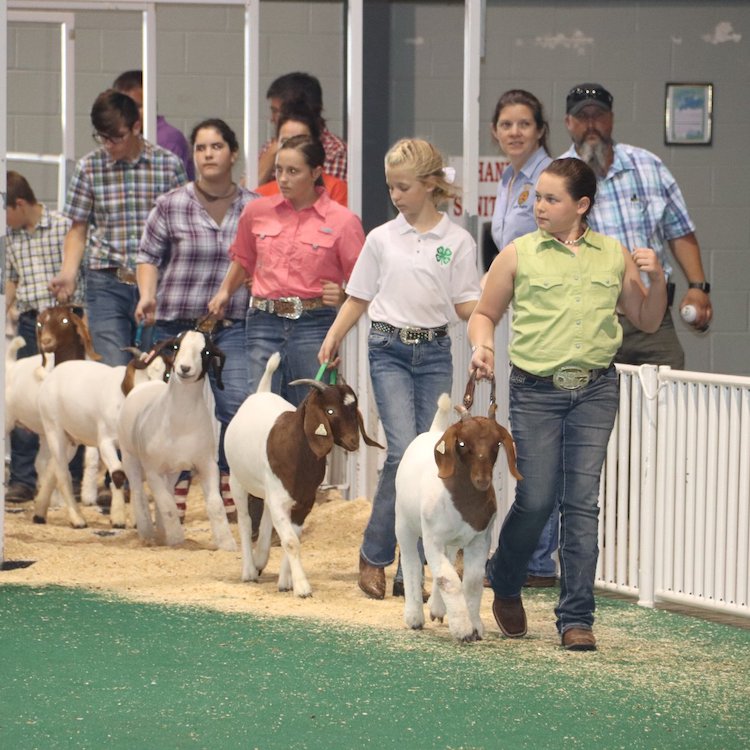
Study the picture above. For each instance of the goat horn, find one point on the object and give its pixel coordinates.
(463, 412)
(312, 383)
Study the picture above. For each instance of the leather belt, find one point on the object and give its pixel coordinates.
(411, 335)
(286, 307)
(123, 275)
(567, 377)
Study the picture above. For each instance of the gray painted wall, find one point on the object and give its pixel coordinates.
(413, 86)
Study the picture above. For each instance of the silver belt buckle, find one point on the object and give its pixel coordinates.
(296, 313)
(409, 335)
(569, 378)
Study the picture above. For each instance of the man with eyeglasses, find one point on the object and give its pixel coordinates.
(111, 193)
(639, 202)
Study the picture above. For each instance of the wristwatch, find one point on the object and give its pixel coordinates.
(704, 286)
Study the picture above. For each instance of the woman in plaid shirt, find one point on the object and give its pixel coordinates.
(182, 260)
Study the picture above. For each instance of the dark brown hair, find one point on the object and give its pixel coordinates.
(112, 109)
(580, 180)
(220, 127)
(519, 96)
(312, 151)
(18, 187)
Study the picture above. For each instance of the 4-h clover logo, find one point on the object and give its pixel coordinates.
(443, 255)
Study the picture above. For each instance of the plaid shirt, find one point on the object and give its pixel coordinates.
(114, 197)
(336, 163)
(33, 259)
(191, 250)
(639, 202)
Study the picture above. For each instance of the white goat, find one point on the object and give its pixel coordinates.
(165, 428)
(444, 494)
(79, 403)
(278, 453)
(61, 336)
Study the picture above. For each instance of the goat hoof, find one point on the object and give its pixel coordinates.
(416, 627)
(39, 519)
(439, 618)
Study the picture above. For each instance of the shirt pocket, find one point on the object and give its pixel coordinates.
(266, 234)
(317, 243)
(605, 290)
(547, 291)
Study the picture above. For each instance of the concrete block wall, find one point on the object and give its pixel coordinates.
(633, 47)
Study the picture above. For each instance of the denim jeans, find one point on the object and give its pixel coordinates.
(111, 316)
(298, 342)
(407, 380)
(231, 341)
(24, 444)
(561, 440)
(541, 562)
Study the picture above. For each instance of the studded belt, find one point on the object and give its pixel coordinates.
(410, 335)
(567, 377)
(287, 307)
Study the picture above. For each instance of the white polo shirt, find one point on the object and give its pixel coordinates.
(413, 279)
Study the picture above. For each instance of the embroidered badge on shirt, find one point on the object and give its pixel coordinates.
(327, 230)
(443, 255)
(524, 196)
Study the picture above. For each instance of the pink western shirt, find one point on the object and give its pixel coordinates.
(288, 253)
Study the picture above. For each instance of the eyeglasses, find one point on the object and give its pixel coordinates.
(102, 138)
(583, 93)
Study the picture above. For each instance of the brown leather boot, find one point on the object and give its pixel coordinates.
(579, 639)
(371, 579)
(510, 616)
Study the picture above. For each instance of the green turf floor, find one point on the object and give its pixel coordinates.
(83, 671)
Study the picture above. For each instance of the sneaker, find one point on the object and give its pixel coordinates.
(19, 493)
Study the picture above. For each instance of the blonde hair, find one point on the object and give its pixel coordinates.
(425, 161)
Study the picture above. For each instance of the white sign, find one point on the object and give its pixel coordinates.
(490, 171)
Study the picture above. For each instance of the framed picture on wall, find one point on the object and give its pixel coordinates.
(688, 115)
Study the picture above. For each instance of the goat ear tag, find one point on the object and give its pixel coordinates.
(440, 447)
(321, 430)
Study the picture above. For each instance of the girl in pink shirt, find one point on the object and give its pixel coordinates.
(299, 248)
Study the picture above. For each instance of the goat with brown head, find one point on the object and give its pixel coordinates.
(60, 330)
(332, 416)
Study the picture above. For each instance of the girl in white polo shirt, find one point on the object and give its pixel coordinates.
(415, 275)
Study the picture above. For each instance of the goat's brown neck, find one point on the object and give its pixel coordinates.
(70, 350)
(477, 507)
(292, 460)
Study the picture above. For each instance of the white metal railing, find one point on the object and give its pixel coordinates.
(675, 493)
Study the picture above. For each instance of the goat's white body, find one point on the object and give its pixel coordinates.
(164, 429)
(425, 508)
(23, 378)
(79, 403)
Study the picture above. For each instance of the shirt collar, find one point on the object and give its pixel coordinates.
(320, 206)
(439, 230)
(527, 170)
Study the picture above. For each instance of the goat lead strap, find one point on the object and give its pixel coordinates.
(469, 393)
(139, 335)
(321, 372)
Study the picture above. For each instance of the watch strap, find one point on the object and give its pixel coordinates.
(704, 286)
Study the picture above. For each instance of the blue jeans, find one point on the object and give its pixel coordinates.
(407, 380)
(541, 562)
(111, 316)
(24, 444)
(298, 342)
(231, 341)
(561, 440)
